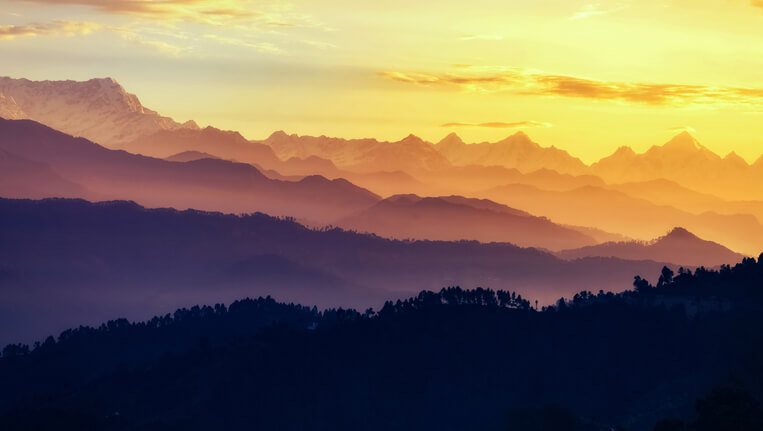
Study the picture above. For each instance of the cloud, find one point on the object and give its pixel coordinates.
(318, 44)
(245, 15)
(588, 10)
(757, 3)
(251, 15)
(72, 28)
(526, 82)
(682, 129)
(481, 37)
(259, 46)
(500, 125)
(55, 28)
(138, 37)
(190, 10)
(591, 10)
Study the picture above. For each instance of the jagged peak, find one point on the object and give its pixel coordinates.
(278, 134)
(683, 141)
(403, 196)
(624, 150)
(735, 158)
(678, 233)
(519, 137)
(107, 80)
(451, 138)
(758, 163)
(411, 138)
(190, 124)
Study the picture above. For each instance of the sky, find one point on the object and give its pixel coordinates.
(585, 77)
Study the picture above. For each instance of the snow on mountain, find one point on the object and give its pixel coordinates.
(98, 109)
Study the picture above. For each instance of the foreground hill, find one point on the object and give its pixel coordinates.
(679, 246)
(99, 109)
(448, 360)
(204, 184)
(63, 262)
(454, 218)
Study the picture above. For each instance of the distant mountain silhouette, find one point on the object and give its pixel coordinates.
(684, 160)
(467, 179)
(67, 262)
(679, 246)
(99, 109)
(232, 146)
(189, 156)
(204, 184)
(758, 164)
(223, 144)
(22, 178)
(410, 154)
(666, 192)
(517, 151)
(616, 211)
(455, 218)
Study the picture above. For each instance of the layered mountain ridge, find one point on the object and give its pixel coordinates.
(679, 246)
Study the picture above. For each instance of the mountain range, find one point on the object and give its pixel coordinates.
(410, 154)
(684, 160)
(99, 109)
(517, 151)
(207, 184)
(323, 180)
(615, 211)
(232, 146)
(453, 218)
(69, 262)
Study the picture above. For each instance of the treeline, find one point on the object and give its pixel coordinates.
(453, 359)
(171, 331)
(742, 282)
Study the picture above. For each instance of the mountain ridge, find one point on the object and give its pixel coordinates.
(98, 109)
(683, 247)
(205, 184)
(453, 218)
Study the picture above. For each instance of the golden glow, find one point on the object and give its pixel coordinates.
(585, 77)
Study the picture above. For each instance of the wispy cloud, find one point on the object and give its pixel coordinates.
(682, 129)
(595, 9)
(526, 82)
(480, 37)
(501, 125)
(318, 44)
(588, 11)
(141, 38)
(259, 46)
(211, 11)
(252, 15)
(55, 28)
(757, 3)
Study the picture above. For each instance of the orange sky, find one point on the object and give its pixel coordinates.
(586, 77)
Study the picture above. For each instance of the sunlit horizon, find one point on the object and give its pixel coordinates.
(584, 77)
